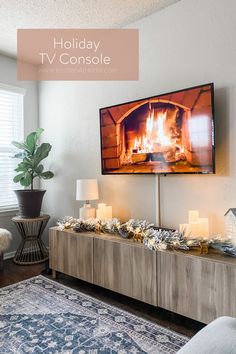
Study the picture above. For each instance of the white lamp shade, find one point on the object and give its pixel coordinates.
(86, 189)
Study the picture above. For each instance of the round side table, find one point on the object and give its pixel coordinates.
(32, 250)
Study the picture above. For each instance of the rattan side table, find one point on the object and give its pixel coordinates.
(32, 250)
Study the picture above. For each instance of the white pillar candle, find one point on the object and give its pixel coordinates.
(204, 227)
(193, 216)
(194, 229)
(101, 214)
(104, 211)
(101, 205)
(108, 212)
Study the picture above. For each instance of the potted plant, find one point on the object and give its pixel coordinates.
(30, 167)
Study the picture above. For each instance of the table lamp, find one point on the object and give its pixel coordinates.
(86, 189)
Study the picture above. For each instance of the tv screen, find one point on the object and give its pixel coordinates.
(167, 133)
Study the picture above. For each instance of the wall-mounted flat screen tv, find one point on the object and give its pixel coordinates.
(168, 133)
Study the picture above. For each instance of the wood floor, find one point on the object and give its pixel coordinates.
(13, 273)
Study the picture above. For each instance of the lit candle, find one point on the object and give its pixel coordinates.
(108, 212)
(101, 205)
(193, 216)
(204, 227)
(101, 213)
(104, 211)
(194, 229)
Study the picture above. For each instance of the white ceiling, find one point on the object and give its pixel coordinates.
(69, 14)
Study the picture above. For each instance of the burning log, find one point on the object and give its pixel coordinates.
(170, 155)
(156, 156)
(141, 157)
(164, 153)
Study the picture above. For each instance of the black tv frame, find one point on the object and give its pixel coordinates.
(165, 173)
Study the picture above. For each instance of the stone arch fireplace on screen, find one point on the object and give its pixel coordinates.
(171, 133)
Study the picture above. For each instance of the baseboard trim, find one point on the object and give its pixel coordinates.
(9, 255)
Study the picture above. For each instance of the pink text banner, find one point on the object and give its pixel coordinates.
(77, 54)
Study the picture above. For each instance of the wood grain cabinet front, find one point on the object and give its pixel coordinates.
(126, 268)
(202, 289)
(71, 253)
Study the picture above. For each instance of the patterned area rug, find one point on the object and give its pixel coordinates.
(39, 315)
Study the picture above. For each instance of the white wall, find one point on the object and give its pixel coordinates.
(8, 76)
(69, 114)
(189, 43)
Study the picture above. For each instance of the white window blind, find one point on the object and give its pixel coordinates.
(11, 128)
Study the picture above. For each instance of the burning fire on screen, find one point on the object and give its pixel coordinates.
(160, 140)
(163, 140)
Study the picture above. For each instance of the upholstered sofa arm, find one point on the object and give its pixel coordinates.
(218, 337)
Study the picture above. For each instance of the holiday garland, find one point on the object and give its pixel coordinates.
(138, 230)
(142, 231)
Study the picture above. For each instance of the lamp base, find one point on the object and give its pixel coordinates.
(86, 212)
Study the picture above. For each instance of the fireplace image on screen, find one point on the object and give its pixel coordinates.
(170, 133)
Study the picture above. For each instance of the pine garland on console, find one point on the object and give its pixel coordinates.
(144, 232)
(138, 230)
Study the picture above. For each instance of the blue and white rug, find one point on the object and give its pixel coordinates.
(39, 315)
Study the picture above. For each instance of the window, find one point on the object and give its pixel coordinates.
(11, 128)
